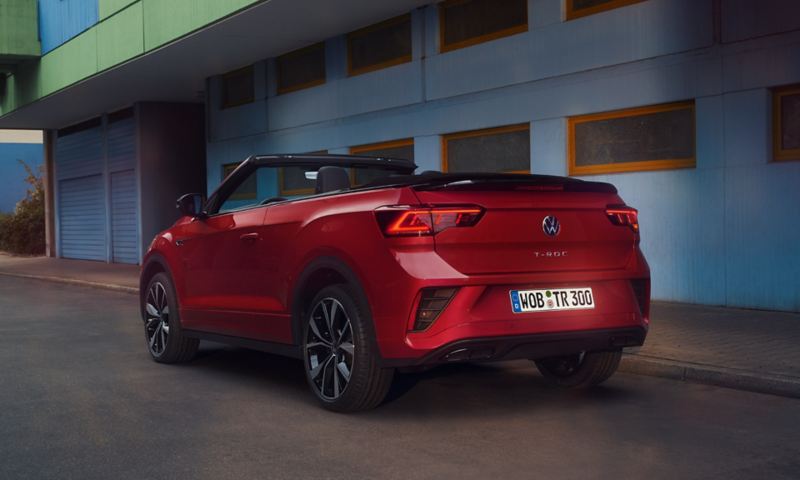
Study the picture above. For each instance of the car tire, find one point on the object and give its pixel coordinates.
(340, 354)
(165, 339)
(580, 371)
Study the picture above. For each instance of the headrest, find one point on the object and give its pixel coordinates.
(331, 178)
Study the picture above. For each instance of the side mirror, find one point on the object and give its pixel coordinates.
(191, 205)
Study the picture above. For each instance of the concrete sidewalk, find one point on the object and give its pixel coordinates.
(745, 349)
(113, 276)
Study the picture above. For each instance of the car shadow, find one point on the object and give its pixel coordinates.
(473, 389)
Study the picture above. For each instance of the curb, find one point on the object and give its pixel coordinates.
(772, 384)
(75, 281)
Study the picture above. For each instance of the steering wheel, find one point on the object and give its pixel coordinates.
(272, 199)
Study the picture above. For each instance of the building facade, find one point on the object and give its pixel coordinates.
(689, 107)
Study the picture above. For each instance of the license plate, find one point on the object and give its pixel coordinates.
(548, 300)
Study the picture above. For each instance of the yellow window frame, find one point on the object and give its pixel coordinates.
(386, 63)
(371, 147)
(481, 133)
(297, 191)
(226, 77)
(644, 165)
(572, 14)
(300, 86)
(487, 37)
(780, 154)
(226, 170)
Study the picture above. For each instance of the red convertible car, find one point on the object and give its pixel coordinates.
(360, 267)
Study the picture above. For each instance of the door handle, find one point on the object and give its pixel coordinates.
(249, 237)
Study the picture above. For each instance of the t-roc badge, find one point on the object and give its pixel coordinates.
(551, 226)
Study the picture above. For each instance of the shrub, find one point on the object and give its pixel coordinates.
(23, 231)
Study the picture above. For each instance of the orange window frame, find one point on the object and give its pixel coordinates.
(295, 53)
(371, 147)
(297, 191)
(226, 170)
(643, 165)
(487, 37)
(249, 70)
(780, 154)
(386, 63)
(481, 133)
(585, 12)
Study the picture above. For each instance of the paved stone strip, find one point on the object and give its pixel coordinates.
(75, 281)
(711, 375)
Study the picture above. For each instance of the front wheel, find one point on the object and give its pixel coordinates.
(581, 370)
(162, 327)
(340, 352)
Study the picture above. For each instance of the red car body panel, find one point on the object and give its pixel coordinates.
(236, 274)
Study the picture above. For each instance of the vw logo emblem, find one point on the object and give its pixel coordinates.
(551, 226)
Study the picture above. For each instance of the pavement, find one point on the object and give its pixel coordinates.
(751, 350)
(81, 399)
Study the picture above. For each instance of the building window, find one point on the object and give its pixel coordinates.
(248, 190)
(786, 123)
(379, 46)
(503, 149)
(238, 87)
(648, 138)
(395, 149)
(292, 180)
(466, 22)
(582, 8)
(300, 69)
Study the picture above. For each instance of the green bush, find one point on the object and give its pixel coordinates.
(23, 231)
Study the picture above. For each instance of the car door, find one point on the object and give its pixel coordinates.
(225, 259)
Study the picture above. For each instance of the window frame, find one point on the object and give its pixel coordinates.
(351, 72)
(517, 127)
(487, 37)
(780, 154)
(234, 195)
(282, 190)
(225, 77)
(295, 53)
(572, 14)
(638, 166)
(367, 147)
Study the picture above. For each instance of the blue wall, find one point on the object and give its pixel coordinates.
(723, 233)
(60, 20)
(13, 174)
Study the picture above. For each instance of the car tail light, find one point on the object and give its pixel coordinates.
(412, 221)
(624, 216)
(431, 303)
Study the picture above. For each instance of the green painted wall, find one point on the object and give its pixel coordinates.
(167, 20)
(18, 28)
(120, 37)
(106, 8)
(126, 29)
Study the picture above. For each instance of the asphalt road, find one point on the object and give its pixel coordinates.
(80, 398)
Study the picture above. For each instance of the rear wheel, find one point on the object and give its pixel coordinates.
(580, 371)
(162, 327)
(340, 353)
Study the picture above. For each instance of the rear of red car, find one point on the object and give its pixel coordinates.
(502, 268)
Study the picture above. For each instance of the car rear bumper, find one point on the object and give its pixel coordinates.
(532, 347)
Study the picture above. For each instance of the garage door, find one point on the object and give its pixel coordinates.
(82, 218)
(124, 237)
(121, 151)
(81, 197)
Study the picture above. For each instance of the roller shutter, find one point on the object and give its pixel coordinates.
(121, 136)
(82, 218)
(81, 194)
